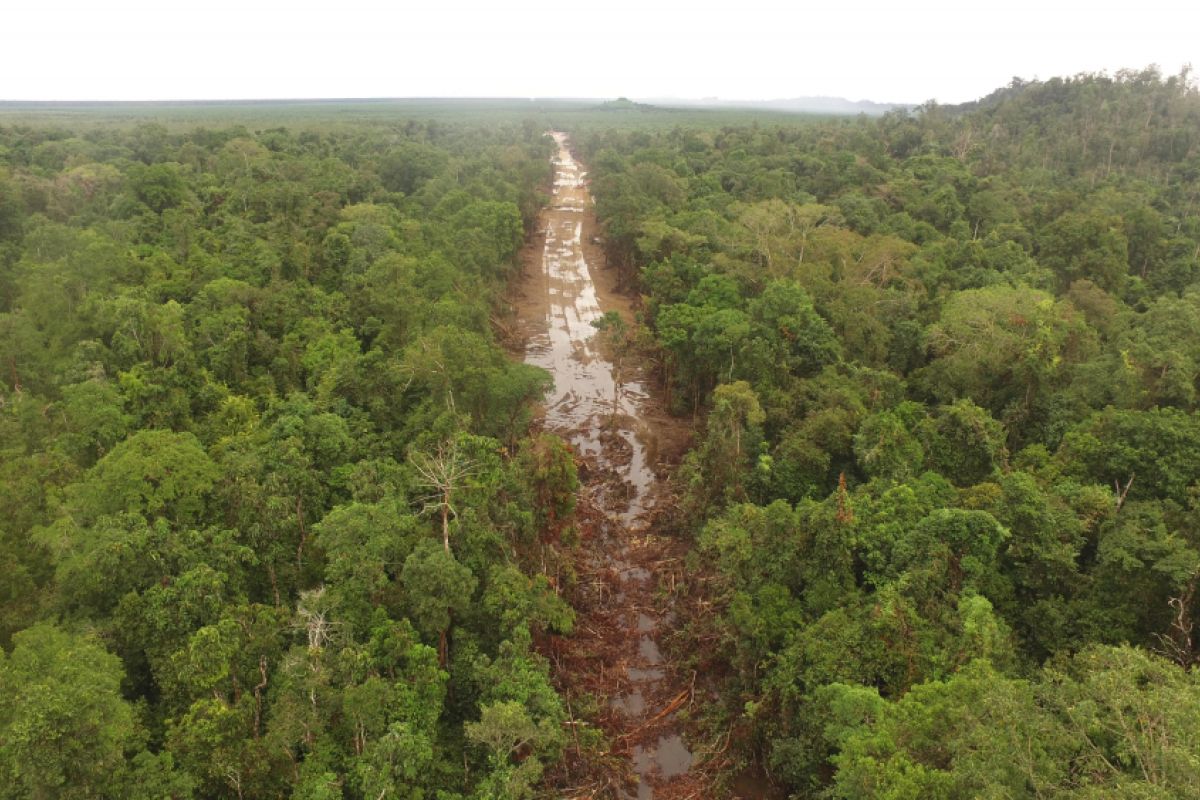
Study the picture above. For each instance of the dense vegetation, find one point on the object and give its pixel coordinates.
(948, 490)
(268, 494)
(275, 525)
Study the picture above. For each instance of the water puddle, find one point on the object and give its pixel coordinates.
(673, 756)
(632, 704)
(644, 674)
(667, 758)
(630, 572)
(648, 650)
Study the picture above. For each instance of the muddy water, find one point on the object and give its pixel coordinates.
(588, 393)
(607, 416)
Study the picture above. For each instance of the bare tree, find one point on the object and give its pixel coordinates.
(313, 619)
(444, 471)
(1177, 644)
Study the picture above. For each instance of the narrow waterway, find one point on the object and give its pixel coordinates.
(607, 414)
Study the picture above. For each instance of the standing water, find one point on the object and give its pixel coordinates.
(610, 423)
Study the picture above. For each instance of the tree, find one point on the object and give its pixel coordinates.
(548, 466)
(1086, 244)
(1158, 450)
(887, 447)
(1113, 722)
(729, 444)
(436, 586)
(964, 442)
(1005, 349)
(975, 734)
(803, 342)
(445, 472)
(365, 546)
(509, 735)
(64, 726)
(153, 472)
(615, 340)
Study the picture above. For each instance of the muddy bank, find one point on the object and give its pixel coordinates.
(626, 446)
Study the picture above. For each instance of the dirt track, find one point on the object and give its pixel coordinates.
(624, 444)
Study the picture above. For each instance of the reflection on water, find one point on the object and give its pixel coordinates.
(669, 757)
(585, 383)
(648, 650)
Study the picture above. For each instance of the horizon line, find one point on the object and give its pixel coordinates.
(403, 98)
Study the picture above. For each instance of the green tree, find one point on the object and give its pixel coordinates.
(155, 473)
(64, 726)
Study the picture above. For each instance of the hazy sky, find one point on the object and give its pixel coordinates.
(907, 51)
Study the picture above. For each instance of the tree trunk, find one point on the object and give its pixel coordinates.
(446, 521)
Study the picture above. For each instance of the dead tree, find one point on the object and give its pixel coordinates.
(1177, 644)
(313, 620)
(445, 471)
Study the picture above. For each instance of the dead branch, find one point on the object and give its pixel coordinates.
(1122, 493)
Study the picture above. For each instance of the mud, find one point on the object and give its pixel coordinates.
(616, 663)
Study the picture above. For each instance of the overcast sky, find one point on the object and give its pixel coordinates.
(899, 51)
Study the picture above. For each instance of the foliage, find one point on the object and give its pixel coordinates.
(274, 520)
(947, 483)
(230, 359)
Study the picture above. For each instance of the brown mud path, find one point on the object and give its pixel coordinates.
(625, 445)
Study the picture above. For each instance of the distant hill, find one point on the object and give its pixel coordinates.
(795, 105)
(624, 104)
